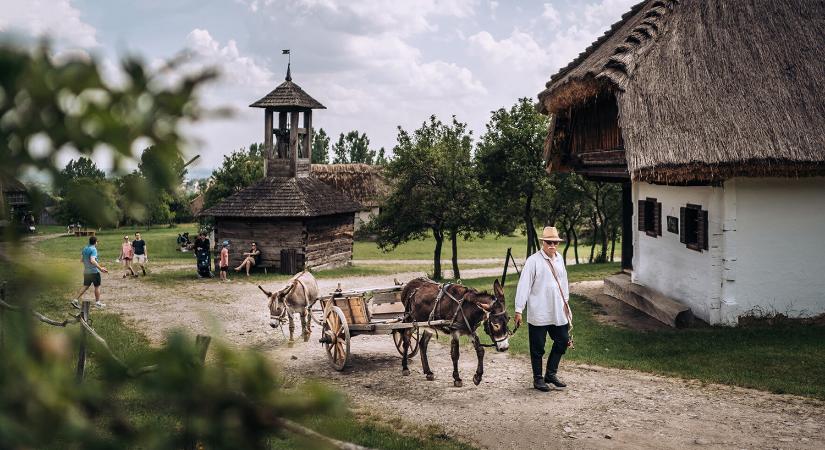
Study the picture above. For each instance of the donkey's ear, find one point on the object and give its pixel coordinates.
(287, 289)
(268, 294)
(484, 306)
(498, 290)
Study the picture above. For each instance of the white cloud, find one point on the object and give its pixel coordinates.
(57, 19)
(240, 70)
(519, 50)
(551, 14)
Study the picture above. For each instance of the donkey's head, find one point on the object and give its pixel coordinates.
(495, 318)
(278, 308)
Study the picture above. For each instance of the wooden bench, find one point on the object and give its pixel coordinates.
(84, 232)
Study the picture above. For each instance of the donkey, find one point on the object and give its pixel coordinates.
(295, 297)
(464, 309)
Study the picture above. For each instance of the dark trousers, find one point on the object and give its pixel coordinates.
(538, 335)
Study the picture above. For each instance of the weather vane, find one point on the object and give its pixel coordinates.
(288, 64)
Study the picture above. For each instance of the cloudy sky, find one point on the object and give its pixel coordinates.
(375, 64)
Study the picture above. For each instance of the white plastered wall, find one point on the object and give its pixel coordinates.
(775, 250)
(667, 265)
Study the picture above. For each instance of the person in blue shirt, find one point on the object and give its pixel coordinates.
(91, 272)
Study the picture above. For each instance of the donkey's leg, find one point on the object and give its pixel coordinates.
(291, 326)
(454, 353)
(422, 347)
(480, 355)
(405, 344)
(305, 324)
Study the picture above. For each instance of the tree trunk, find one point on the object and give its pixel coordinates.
(603, 252)
(454, 239)
(439, 239)
(575, 243)
(612, 244)
(566, 243)
(593, 238)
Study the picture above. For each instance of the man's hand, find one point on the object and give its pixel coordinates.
(517, 319)
(103, 269)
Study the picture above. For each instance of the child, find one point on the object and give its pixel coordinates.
(224, 262)
(126, 255)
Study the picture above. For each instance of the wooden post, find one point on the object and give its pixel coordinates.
(506, 263)
(267, 138)
(308, 134)
(282, 146)
(627, 226)
(202, 345)
(81, 357)
(293, 142)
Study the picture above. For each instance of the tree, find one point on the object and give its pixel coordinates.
(91, 202)
(320, 147)
(353, 148)
(510, 163)
(239, 169)
(434, 189)
(82, 167)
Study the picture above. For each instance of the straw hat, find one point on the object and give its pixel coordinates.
(550, 234)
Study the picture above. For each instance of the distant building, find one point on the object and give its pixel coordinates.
(289, 212)
(711, 115)
(15, 200)
(363, 183)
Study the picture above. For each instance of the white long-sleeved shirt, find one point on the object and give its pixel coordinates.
(538, 291)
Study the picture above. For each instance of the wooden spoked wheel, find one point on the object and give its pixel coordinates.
(316, 312)
(335, 337)
(399, 343)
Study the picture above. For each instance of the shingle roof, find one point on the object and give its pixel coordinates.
(288, 95)
(708, 82)
(284, 197)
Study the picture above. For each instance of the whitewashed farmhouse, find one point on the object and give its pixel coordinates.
(711, 114)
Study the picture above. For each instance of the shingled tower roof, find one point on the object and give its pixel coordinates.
(288, 96)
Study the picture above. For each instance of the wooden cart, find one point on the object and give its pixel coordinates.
(345, 314)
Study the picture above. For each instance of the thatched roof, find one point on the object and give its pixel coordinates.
(284, 197)
(11, 185)
(361, 182)
(288, 96)
(709, 89)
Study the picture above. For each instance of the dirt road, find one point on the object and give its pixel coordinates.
(602, 407)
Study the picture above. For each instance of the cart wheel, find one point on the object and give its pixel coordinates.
(335, 337)
(399, 343)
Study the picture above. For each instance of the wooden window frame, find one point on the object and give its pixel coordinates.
(693, 221)
(650, 217)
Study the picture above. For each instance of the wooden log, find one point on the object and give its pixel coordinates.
(81, 356)
(649, 301)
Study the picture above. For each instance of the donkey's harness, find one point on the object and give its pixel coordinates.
(444, 291)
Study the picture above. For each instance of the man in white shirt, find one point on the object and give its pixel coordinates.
(543, 289)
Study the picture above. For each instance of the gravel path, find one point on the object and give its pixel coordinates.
(602, 408)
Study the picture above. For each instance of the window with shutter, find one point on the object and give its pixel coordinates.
(694, 227)
(650, 217)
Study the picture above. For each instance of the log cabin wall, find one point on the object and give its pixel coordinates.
(590, 139)
(271, 235)
(329, 240)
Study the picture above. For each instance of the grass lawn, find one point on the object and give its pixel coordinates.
(133, 348)
(488, 247)
(160, 241)
(780, 359)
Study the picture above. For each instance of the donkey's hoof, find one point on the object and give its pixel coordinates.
(273, 325)
(458, 383)
(405, 372)
(430, 377)
(477, 379)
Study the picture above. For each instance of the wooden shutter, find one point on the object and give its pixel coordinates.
(657, 219)
(702, 230)
(641, 215)
(682, 224)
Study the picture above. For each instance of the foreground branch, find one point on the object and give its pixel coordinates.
(306, 432)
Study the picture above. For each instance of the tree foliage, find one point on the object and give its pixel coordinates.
(511, 168)
(320, 147)
(239, 169)
(91, 202)
(434, 188)
(355, 148)
(82, 167)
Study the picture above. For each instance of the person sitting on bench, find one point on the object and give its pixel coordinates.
(251, 258)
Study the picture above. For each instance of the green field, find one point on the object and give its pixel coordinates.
(160, 242)
(780, 359)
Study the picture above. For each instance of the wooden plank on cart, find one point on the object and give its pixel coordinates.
(386, 297)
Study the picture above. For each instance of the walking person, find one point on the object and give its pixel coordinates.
(224, 261)
(126, 255)
(202, 256)
(141, 252)
(544, 290)
(251, 258)
(91, 273)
